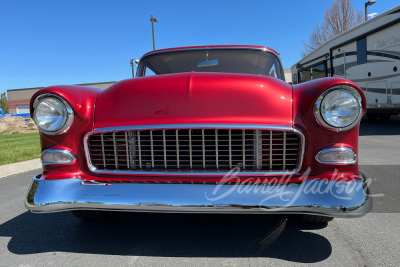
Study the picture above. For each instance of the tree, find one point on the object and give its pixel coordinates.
(4, 102)
(338, 18)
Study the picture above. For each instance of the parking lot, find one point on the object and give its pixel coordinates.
(60, 239)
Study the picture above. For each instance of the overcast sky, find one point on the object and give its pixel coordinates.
(45, 43)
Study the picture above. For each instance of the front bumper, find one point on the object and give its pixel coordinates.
(318, 197)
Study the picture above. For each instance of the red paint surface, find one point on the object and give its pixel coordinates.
(195, 98)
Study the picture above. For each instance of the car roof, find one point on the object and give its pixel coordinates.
(211, 47)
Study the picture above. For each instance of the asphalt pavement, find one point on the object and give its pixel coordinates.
(60, 239)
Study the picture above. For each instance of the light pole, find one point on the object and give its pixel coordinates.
(153, 19)
(369, 3)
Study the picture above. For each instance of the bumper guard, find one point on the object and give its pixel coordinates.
(318, 197)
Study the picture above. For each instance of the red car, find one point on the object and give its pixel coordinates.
(211, 129)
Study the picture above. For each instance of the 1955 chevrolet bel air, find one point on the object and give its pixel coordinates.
(211, 129)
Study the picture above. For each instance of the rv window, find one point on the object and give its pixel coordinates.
(340, 64)
(305, 75)
(318, 71)
(362, 51)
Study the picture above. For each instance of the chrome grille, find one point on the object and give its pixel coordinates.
(195, 150)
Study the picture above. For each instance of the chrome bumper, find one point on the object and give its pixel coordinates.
(338, 199)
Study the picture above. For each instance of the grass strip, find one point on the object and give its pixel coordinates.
(19, 147)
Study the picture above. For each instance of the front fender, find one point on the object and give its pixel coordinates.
(318, 137)
(83, 101)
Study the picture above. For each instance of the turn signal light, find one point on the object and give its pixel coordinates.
(57, 156)
(337, 155)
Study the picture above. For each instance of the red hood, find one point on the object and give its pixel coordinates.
(195, 98)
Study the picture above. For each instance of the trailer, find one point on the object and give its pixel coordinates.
(369, 55)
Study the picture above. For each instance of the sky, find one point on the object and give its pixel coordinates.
(44, 43)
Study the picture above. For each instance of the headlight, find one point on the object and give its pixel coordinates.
(52, 114)
(339, 108)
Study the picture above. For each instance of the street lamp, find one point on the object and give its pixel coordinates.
(369, 3)
(153, 19)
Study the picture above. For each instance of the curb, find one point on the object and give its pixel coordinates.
(19, 167)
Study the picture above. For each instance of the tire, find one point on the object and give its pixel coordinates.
(92, 215)
(314, 218)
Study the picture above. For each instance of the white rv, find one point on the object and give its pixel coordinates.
(369, 55)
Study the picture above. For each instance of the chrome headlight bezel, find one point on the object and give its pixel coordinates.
(319, 115)
(68, 111)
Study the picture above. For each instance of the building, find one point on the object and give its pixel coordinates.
(18, 99)
(288, 75)
(368, 55)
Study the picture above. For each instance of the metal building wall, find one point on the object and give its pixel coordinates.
(23, 96)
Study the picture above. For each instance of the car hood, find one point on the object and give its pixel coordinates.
(191, 98)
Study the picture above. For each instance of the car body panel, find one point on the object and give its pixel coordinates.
(195, 98)
(201, 99)
(319, 137)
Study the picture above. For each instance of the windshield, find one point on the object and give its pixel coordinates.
(245, 61)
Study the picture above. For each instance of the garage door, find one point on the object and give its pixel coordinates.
(22, 109)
